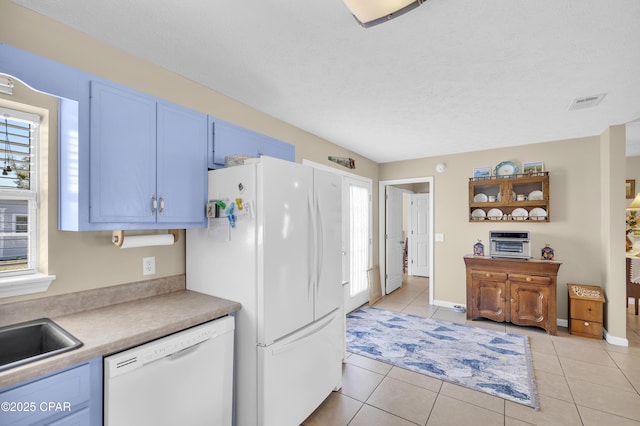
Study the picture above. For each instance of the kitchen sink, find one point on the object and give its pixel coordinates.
(32, 341)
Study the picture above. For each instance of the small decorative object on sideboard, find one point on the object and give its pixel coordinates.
(547, 252)
(478, 248)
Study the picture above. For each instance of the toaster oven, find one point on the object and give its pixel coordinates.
(510, 244)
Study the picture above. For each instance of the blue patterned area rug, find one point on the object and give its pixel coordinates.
(485, 360)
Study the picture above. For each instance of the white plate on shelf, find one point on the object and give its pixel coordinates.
(478, 214)
(494, 214)
(519, 214)
(480, 198)
(506, 168)
(535, 195)
(538, 214)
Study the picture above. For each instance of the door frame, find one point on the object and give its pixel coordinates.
(382, 253)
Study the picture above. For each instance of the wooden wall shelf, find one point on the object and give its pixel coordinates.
(521, 197)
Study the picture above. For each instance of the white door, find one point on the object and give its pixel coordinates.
(419, 235)
(327, 222)
(394, 239)
(285, 248)
(357, 236)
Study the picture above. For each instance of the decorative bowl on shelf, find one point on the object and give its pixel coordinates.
(506, 169)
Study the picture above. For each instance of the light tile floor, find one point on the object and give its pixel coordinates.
(580, 381)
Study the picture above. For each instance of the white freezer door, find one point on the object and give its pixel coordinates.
(328, 224)
(286, 248)
(297, 373)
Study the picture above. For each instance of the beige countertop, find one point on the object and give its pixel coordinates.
(113, 328)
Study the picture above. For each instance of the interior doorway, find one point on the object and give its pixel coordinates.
(420, 243)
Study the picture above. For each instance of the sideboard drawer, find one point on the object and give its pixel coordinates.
(531, 279)
(586, 328)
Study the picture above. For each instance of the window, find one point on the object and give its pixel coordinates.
(18, 192)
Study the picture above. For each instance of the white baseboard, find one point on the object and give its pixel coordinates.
(446, 304)
(618, 341)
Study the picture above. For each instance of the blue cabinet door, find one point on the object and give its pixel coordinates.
(229, 139)
(277, 149)
(122, 155)
(182, 165)
(66, 397)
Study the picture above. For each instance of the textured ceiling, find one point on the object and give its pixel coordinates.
(450, 76)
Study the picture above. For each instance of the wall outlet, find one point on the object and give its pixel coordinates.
(148, 265)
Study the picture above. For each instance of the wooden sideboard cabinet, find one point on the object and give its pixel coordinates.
(522, 292)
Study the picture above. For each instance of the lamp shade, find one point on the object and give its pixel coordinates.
(635, 204)
(373, 12)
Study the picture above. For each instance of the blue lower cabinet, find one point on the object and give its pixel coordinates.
(68, 397)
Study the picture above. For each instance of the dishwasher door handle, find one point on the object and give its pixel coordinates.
(185, 352)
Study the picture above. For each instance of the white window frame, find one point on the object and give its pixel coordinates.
(30, 279)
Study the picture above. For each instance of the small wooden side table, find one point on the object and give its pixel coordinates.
(585, 310)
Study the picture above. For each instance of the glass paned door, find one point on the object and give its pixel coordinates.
(358, 215)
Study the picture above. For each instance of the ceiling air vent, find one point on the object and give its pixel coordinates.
(586, 102)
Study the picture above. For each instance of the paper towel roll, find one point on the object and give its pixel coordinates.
(147, 240)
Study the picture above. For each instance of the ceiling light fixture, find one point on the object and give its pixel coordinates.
(373, 12)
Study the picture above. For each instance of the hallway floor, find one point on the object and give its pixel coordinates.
(579, 381)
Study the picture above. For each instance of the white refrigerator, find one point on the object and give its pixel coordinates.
(280, 257)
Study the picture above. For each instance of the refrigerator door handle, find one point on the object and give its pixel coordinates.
(320, 233)
(312, 247)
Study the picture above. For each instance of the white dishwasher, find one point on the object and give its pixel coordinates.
(185, 378)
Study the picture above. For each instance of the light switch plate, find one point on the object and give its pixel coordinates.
(439, 238)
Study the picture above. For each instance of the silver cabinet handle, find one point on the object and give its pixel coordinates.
(161, 211)
(154, 204)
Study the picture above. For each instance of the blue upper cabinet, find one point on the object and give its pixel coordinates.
(122, 155)
(278, 149)
(148, 164)
(181, 166)
(228, 139)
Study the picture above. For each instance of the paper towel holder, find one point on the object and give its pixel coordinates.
(117, 237)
